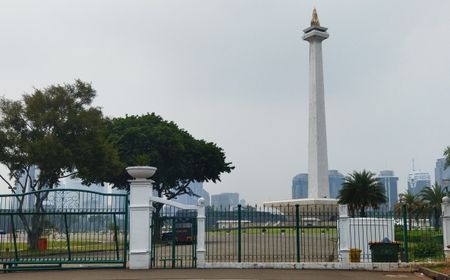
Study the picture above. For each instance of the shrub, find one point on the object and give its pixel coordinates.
(428, 250)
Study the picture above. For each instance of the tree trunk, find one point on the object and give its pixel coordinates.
(436, 219)
(36, 226)
(35, 231)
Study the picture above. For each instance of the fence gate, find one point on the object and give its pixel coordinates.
(174, 241)
(49, 229)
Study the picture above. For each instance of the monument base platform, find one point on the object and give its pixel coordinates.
(306, 204)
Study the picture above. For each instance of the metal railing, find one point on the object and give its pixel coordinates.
(63, 226)
(311, 234)
(276, 234)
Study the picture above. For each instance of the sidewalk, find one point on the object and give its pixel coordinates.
(204, 274)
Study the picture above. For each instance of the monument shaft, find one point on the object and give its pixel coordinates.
(318, 185)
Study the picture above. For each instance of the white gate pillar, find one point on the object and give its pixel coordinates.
(344, 234)
(201, 230)
(140, 216)
(446, 225)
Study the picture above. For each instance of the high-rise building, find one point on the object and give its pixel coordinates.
(442, 174)
(23, 185)
(300, 184)
(417, 181)
(336, 180)
(199, 191)
(389, 182)
(225, 200)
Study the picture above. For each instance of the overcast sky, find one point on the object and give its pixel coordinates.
(235, 72)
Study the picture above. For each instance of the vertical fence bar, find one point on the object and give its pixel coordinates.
(67, 237)
(405, 232)
(152, 245)
(174, 242)
(13, 228)
(239, 232)
(194, 231)
(297, 230)
(115, 237)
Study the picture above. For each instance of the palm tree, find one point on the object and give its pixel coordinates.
(361, 190)
(432, 196)
(414, 206)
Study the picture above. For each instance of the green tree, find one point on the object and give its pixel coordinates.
(432, 196)
(180, 158)
(59, 132)
(447, 156)
(361, 190)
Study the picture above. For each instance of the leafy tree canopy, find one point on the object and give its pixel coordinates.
(361, 190)
(447, 156)
(57, 130)
(179, 157)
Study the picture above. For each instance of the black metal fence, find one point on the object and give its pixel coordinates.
(276, 234)
(63, 226)
(311, 234)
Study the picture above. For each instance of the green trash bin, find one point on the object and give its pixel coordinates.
(384, 252)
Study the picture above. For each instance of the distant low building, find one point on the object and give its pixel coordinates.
(225, 200)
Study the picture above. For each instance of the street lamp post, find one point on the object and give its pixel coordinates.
(405, 228)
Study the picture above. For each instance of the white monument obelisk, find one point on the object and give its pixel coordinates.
(318, 186)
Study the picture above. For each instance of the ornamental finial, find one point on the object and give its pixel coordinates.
(315, 19)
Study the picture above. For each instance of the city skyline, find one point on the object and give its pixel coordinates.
(386, 177)
(235, 73)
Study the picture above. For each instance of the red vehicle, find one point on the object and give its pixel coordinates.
(183, 232)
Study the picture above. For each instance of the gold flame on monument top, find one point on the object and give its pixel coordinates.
(315, 19)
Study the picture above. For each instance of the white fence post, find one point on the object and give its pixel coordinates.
(201, 231)
(446, 225)
(140, 216)
(344, 234)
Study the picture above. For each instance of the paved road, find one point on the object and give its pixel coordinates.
(204, 274)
